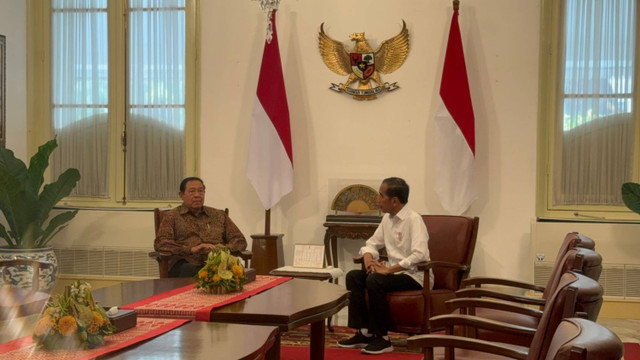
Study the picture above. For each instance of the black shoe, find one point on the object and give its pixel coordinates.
(378, 346)
(356, 341)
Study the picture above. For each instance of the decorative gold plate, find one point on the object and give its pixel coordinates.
(357, 199)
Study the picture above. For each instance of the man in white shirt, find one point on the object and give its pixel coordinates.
(403, 234)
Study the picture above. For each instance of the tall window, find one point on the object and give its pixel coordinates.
(121, 75)
(588, 107)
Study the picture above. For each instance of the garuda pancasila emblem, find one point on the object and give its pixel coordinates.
(362, 64)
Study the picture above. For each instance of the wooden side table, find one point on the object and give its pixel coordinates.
(353, 231)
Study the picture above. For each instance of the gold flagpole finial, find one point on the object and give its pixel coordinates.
(269, 6)
(456, 5)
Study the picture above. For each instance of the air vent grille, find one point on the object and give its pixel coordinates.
(617, 280)
(107, 262)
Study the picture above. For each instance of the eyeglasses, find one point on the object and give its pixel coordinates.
(195, 191)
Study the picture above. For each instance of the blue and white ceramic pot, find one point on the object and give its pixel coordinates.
(22, 275)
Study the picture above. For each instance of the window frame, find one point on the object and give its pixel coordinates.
(39, 129)
(550, 111)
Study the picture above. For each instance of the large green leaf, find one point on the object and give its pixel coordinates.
(55, 225)
(56, 191)
(6, 237)
(631, 196)
(25, 208)
(9, 187)
(12, 165)
(37, 166)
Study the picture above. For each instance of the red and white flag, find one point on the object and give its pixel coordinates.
(270, 164)
(455, 123)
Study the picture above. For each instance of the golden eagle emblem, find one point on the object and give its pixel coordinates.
(362, 64)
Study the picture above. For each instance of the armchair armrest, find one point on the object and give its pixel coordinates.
(482, 280)
(360, 259)
(426, 265)
(428, 342)
(449, 321)
(477, 293)
(472, 303)
(163, 262)
(158, 254)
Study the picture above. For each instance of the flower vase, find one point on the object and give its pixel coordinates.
(21, 275)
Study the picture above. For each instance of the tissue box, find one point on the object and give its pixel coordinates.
(250, 273)
(123, 320)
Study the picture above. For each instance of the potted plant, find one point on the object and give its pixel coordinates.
(631, 196)
(26, 206)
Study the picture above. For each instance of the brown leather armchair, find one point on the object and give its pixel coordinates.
(452, 240)
(561, 305)
(584, 261)
(571, 240)
(163, 258)
(581, 339)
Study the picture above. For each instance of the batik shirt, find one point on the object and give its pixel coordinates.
(180, 230)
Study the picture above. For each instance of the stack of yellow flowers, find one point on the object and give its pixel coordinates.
(72, 321)
(221, 273)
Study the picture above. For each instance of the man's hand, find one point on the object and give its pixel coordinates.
(204, 248)
(372, 265)
(380, 267)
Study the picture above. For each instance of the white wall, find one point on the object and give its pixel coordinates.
(337, 138)
(12, 25)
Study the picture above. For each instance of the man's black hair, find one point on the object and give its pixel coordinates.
(397, 187)
(183, 183)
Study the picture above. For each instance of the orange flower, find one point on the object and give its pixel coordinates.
(96, 323)
(237, 270)
(202, 274)
(216, 278)
(67, 325)
(43, 326)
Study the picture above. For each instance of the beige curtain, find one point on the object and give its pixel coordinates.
(595, 139)
(155, 117)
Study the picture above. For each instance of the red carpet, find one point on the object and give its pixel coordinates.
(631, 351)
(297, 353)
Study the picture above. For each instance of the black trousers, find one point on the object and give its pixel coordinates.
(183, 268)
(375, 316)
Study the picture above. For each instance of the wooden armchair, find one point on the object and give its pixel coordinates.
(581, 260)
(163, 258)
(545, 345)
(452, 240)
(17, 302)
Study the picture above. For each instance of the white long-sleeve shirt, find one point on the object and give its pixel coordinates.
(405, 238)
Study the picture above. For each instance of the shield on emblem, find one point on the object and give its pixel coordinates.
(362, 64)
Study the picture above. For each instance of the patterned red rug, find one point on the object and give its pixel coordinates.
(297, 353)
(295, 345)
(631, 351)
(300, 338)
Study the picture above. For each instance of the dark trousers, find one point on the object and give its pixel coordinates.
(375, 316)
(184, 269)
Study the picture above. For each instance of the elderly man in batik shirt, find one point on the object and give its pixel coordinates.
(192, 230)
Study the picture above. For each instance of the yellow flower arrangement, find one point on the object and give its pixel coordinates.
(222, 272)
(72, 321)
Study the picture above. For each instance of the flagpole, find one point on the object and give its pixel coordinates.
(267, 222)
(271, 116)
